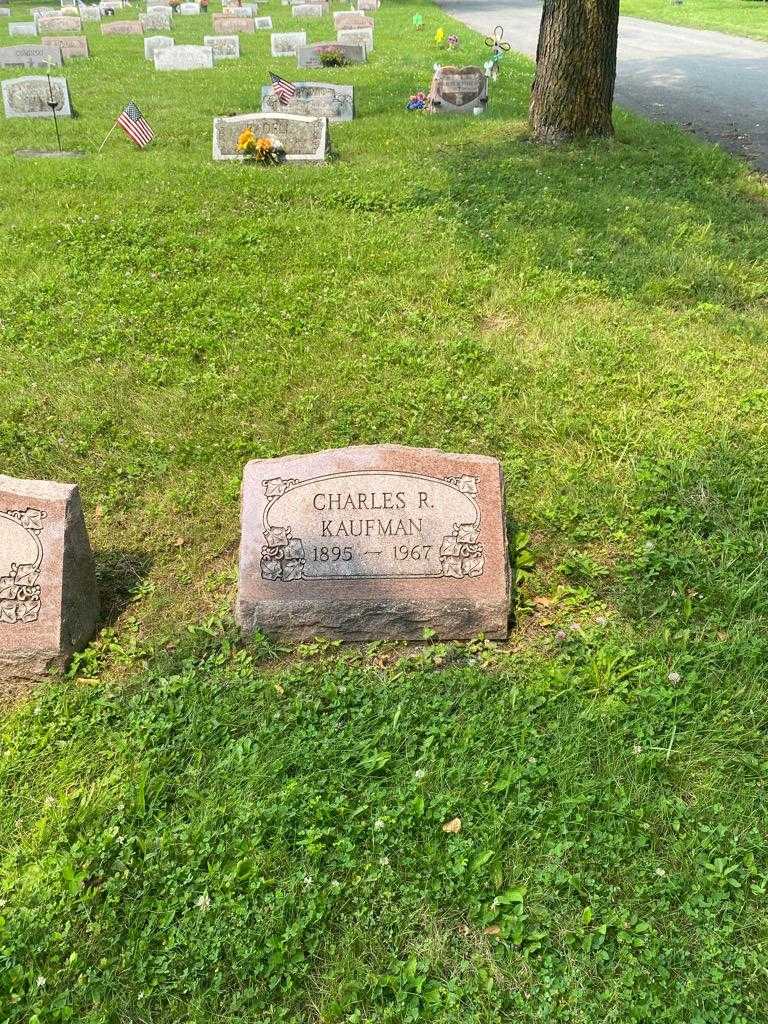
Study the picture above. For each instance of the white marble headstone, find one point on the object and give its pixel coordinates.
(184, 58)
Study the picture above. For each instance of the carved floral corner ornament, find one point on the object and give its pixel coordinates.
(20, 592)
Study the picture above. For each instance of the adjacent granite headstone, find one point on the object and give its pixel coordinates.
(22, 28)
(351, 19)
(70, 46)
(28, 55)
(287, 44)
(48, 599)
(30, 96)
(188, 8)
(224, 47)
(458, 90)
(368, 5)
(309, 56)
(308, 10)
(154, 43)
(363, 36)
(372, 542)
(262, 23)
(121, 28)
(53, 24)
(155, 21)
(303, 139)
(184, 58)
(317, 99)
(224, 25)
(90, 13)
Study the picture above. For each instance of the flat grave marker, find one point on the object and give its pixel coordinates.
(372, 542)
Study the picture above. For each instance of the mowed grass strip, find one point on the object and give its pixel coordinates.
(735, 17)
(196, 830)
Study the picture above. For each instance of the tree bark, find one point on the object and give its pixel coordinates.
(575, 70)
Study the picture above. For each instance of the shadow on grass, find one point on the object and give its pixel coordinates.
(120, 574)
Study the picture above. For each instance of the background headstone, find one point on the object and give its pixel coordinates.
(304, 139)
(48, 600)
(90, 13)
(351, 19)
(245, 11)
(459, 90)
(188, 8)
(53, 24)
(22, 28)
(308, 10)
(309, 56)
(224, 25)
(155, 21)
(121, 28)
(70, 46)
(316, 99)
(29, 96)
(154, 43)
(224, 47)
(184, 58)
(287, 44)
(362, 36)
(373, 542)
(262, 23)
(29, 55)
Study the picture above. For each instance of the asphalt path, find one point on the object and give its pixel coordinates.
(711, 84)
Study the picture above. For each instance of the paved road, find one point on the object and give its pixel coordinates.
(712, 84)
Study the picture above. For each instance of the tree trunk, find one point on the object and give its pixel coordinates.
(575, 70)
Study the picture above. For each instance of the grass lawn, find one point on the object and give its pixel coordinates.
(196, 830)
(736, 17)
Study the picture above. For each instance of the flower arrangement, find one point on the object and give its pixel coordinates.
(332, 57)
(439, 36)
(452, 42)
(417, 102)
(260, 149)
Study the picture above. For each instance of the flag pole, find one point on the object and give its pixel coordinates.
(52, 103)
(105, 139)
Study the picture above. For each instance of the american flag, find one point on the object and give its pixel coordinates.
(135, 127)
(284, 91)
